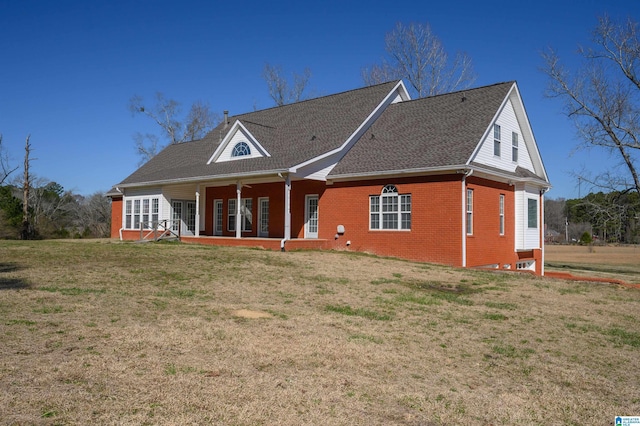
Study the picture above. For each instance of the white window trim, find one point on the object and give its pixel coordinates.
(501, 213)
(497, 140)
(515, 142)
(148, 207)
(380, 213)
(232, 213)
(469, 204)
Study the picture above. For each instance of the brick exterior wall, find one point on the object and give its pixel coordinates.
(116, 216)
(436, 220)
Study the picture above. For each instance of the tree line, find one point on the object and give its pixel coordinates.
(601, 97)
(32, 207)
(612, 217)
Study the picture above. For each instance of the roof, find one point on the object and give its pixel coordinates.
(432, 132)
(436, 133)
(292, 134)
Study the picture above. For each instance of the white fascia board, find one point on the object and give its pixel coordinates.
(200, 179)
(458, 169)
(532, 145)
(399, 173)
(399, 88)
(237, 126)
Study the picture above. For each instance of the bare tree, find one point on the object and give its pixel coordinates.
(165, 113)
(280, 89)
(5, 168)
(602, 98)
(416, 54)
(27, 230)
(93, 215)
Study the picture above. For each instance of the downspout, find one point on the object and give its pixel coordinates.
(542, 225)
(287, 210)
(197, 211)
(238, 218)
(465, 175)
(120, 232)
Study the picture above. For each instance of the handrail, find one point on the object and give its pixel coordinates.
(159, 230)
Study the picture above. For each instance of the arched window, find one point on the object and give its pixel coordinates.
(241, 149)
(390, 210)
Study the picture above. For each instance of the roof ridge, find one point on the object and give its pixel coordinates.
(317, 98)
(464, 90)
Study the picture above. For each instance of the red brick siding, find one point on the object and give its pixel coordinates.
(486, 245)
(435, 233)
(116, 216)
(436, 215)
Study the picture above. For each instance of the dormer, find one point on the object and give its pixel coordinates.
(238, 144)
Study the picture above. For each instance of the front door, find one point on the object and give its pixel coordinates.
(311, 216)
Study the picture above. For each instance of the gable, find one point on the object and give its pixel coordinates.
(238, 144)
(512, 120)
(504, 159)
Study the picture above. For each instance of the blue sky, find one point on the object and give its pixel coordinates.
(69, 68)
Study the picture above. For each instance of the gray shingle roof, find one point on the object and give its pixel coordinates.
(433, 132)
(291, 134)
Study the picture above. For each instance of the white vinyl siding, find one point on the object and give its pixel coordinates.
(526, 198)
(238, 137)
(508, 125)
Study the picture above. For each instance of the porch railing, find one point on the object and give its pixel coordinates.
(159, 230)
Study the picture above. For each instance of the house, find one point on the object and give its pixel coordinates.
(455, 179)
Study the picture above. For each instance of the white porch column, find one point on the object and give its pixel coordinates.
(197, 232)
(287, 207)
(238, 210)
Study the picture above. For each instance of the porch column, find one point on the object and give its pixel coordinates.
(197, 231)
(238, 217)
(287, 207)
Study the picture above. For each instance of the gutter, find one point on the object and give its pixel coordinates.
(202, 179)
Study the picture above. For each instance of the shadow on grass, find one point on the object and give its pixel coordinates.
(7, 283)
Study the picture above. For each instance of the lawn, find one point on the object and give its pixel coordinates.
(611, 261)
(103, 332)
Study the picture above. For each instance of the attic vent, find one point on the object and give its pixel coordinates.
(226, 118)
(464, 97)
(313, 137)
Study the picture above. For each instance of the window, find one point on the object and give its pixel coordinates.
(127, 214)
(469, 211)
(514, 147)
(136, 214)
(532, 212)
(241, 149)
(395, 209)
(155, 210)
(141, 209)
(496, 140)
(231, 215)
(245, 213)
(501, 214)
(145, 213)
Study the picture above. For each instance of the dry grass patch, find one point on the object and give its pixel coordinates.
(619, 262)
(118, 333)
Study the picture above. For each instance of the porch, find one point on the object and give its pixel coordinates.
(259, 242)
